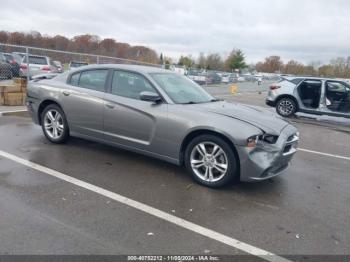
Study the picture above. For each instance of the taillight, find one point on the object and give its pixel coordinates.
(23, 66)
(274, 87)
(46, 68)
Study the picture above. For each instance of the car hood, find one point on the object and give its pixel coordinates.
(260, 118)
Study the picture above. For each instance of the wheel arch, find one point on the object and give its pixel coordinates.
(288, 96)
(199, 132)
(43, 105)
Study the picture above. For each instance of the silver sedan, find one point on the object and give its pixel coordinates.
(164, 115)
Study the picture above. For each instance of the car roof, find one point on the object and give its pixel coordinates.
(136, 68)
(309, 77)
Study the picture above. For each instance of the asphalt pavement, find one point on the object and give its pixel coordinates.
(303, 212)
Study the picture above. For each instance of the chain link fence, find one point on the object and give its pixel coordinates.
(20, 64)
(14, 63)
(29, 62)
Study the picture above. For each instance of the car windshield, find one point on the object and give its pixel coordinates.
(181, 89)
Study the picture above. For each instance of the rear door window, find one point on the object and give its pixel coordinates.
(93, 79)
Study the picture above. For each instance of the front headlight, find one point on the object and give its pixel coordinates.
(257, 139)
(271, 139)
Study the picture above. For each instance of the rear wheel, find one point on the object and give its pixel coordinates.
(54, 124)
(286, 107)
(211, 161)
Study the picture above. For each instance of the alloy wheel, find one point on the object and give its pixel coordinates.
(286, 107)
(53, 124)
(209, 161)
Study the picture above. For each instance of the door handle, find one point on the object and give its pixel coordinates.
(110, 106)
(65, 93)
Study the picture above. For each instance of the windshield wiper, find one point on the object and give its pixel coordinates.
(189, 103)
(216, 100)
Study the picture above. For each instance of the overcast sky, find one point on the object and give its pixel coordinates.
(306, 30)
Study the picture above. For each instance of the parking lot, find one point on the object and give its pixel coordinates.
(87, 198)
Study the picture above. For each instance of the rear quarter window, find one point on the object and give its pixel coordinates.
(37, 60)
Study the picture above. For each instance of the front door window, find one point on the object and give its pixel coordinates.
(338, 96)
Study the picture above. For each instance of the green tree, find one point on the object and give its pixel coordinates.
(202, 61)
(214, 62)
(236, 60)
(186, 61)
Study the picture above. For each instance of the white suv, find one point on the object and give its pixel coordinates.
(321, 96)
(37, 65)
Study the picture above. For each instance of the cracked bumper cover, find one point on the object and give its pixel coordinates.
(268, 160)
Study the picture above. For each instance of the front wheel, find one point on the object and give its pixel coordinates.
(286, 107)
(54, 124)
(211, 161)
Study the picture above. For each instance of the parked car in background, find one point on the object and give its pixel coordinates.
(225, 78)
(218, 142)
(197, 76)
(58, 65)
(19, 54)
(228, 78)
(213, 78)
(5, 68)
(321, 96)
(17, 58)
(240, 79)
(13, 61)
(37, 65)
(75, 64)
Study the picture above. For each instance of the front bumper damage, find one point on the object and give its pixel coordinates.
(268, 160)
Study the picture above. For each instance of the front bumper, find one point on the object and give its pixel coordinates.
(271, 98)
(268, 160)
(270, 103)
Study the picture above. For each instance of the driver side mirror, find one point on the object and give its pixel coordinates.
(151, 97)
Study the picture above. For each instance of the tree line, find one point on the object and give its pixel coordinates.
(92, 44)
(86, 43)
(214, 61)
(337, 67)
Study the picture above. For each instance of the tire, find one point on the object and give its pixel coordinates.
(53, 115)
(286, 107)
(200, 165)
